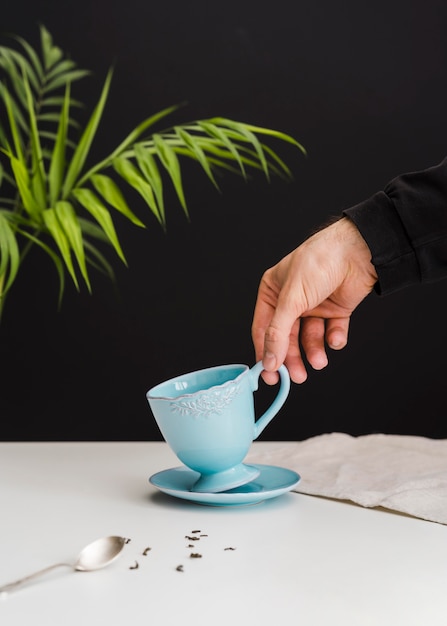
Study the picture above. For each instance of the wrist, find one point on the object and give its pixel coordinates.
(355, 246)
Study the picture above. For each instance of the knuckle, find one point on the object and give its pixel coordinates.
(272, 334)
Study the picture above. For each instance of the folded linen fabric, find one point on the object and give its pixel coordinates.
(398, 472)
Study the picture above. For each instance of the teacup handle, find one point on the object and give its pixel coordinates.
(279, 400)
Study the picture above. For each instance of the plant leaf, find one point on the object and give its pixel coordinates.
(85, 141)
(150, 171)
(101, 264)
(131, 175)
(170, 162)
(51, 54)
(33, 56)
(57, 232)
(111, 193)
(63, 79)
(65, 65)
(214, 131)
(68, 220)
(58, 102)
(275, 133)
(16, 65)
(18, 115)
(57, 165)
(17, 140)
(194, 145)
(91, 229)
(55, 117)
(246, 134)
(14, 73)
(23, 185)
(88, 199)
(275, 157)
(9, 254)
(38, 173)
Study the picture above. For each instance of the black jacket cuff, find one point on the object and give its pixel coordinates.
(392, 254)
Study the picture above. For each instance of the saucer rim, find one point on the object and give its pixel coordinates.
(226, 498)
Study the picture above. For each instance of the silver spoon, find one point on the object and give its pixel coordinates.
(94, 556)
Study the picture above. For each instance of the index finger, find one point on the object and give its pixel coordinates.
(277, 338)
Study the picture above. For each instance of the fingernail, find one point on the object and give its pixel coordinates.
(337, 343)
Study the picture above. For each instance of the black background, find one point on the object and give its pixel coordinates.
(363, 85)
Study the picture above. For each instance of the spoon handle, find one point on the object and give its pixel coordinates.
(16, 583)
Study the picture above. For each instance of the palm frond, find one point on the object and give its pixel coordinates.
(54, 198)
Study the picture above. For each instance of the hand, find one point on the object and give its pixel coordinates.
(308, 298)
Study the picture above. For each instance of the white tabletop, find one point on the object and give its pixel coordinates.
(296, 559)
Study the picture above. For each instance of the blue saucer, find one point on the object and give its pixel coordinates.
(272, 481)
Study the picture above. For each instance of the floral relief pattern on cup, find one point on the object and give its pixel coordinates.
(206, 404)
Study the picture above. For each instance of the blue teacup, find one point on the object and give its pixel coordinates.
(208, 419)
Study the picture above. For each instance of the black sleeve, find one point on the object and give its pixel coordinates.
(405, 227)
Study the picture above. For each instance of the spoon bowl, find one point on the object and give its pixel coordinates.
(99, 553)
(94, 556)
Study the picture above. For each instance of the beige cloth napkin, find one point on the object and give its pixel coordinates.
(402, 473)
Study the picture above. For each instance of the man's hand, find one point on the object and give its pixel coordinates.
(307, 299)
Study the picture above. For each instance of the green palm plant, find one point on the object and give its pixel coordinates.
(51, 197)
